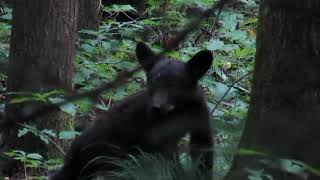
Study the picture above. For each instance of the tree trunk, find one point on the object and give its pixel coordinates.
(284, 113)
(41, 59)
(89, 14)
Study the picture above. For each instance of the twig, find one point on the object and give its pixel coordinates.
(56, 145)
(215, 22)
(129, 16)
(225, 94)
(213, 26)
(193, 25)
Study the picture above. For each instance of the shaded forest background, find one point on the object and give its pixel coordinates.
(283, 117)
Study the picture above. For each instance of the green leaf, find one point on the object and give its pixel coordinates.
(218, 90)
(51, 93)
(34, 156)
(250, 152)
(23, 132)
(48, 132)
(230, 47)
(255, 174)
(230, 20)
(82, 75)
(18, 100)
(68, 108)
(21, 97)
(185, 160)
(53, 164)
(173, 54)
(44, 139)
(7, 17)
(89, 32)
(84, 105)
(119, 8)
(252, 20)
(68, 134)
(236, 35)
(127, 32)
(88, 48)
(19, 153)
(7, 14)
(215, 45)
(244, 52)
(151, 22)
(55, 100)
(292, 166)
(102, 107)
(9, 154)
(28, 128)
(106, 45)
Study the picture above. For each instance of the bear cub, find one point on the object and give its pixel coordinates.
(152, 120)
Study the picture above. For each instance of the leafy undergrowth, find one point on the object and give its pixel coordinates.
(102, 54)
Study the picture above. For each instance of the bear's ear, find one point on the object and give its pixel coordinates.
(199, 64)
(146, 57)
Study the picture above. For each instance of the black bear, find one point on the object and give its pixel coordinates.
(152, 120)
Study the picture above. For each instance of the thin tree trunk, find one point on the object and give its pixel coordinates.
(41, 59)
(284, 114)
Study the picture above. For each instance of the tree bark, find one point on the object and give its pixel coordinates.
(284, 113)
(89, 14)
(41, 59)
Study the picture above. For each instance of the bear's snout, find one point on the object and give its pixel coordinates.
(160, 103)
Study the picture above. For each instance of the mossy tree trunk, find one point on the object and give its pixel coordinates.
(42, 52)
(284, 113)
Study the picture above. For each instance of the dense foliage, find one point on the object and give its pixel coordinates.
(103, 53)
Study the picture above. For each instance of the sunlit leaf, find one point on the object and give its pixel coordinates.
(34, 156)
(119, 8)
(215, 45)
(68, 134)
(68, 108)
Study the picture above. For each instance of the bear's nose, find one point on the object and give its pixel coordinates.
(159, 102)
(162, 109)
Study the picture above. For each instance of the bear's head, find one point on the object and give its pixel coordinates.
(172, 83)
